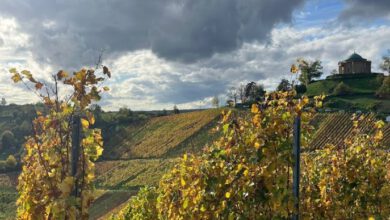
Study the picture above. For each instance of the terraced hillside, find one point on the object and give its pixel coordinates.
(140, 154)
(160, 136)
(334, 128)
(136, 156)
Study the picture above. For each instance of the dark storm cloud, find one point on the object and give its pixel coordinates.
(71, 32)
(360, 9)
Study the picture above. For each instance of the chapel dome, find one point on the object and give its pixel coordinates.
(355, 57)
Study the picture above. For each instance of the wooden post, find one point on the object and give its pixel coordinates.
(296, 168)
(76, 134)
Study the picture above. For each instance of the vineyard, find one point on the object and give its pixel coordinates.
(118, 179)
(334, 128)
(160, 136)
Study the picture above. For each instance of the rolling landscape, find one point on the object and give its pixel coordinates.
(141, 151)
(194, 109)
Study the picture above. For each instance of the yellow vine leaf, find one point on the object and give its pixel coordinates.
(182, 182)
(84, 123)
(16, 77)
(66, 186)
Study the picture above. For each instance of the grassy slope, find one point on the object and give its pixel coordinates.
(362, 97)
(359, 85)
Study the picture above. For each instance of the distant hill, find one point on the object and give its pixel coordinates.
(162, 136)
(356, 93)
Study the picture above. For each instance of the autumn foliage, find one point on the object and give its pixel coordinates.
(47, 188)
(247, 173)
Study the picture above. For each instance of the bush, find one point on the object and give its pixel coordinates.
(300, 88)
(342, 89)
(11, 162)
(384, 90)
(7, 140)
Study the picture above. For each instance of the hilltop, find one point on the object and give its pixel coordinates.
(351, 92)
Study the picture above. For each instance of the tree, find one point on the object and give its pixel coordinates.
(384, 90)
(385, 65)
(3, 101)
(241, 93)
(230, 103)
(309, 70)
(7, 139)
(284, 86)
(50, 186)
(164, 112)
(176, 110)
(254, 92)
(233, 94)
(300, 88)
(11, 162)
(215, 102)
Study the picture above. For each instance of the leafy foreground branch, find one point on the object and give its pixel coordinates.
(247, 174)
(47, 188)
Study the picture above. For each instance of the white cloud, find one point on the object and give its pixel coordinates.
(142, 81)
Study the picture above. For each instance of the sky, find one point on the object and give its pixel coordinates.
(184, 52)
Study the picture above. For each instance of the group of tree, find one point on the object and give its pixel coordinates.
(385, 65)
(245, 94)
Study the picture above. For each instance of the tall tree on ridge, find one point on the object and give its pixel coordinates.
(309, 70)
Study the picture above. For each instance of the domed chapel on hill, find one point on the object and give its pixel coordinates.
(354, 64)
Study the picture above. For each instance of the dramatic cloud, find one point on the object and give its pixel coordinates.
(65, 33)
(361, 9)
(183, 52)
(145, 81)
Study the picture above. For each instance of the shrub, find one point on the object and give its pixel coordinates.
(342, 89)
(300, 88)
(11, 162)
(384, 90)
(7, 139)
